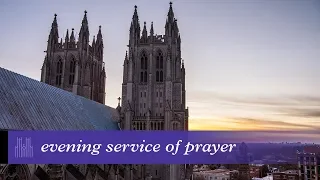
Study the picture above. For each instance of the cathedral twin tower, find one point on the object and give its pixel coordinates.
(153, 88)
(74, 65)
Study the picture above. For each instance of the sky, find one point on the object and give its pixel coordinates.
(250, 64)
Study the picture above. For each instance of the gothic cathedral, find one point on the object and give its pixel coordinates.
(153, 88)
(75, 66)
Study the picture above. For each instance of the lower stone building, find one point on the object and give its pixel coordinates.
(27, 104)
(286, 175)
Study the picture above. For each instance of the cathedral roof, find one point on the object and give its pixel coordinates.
(27, 104)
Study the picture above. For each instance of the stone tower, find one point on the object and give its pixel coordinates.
(75, 65)
(153, 88)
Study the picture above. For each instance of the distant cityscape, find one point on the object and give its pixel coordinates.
(305, 167)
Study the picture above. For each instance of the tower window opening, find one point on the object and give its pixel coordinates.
(161, 76)
(159, 67)
(59, 73)
(145, 76)
(157, 76)
(144, 68)
(59, 67)
(58, 80)
(141, 77)
(72, 71)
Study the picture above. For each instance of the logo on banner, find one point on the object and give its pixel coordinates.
(24, 148)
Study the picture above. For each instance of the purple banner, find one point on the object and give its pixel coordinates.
(146, 147)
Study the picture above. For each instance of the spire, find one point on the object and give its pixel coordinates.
(54, 34)
(144, 32)
(54, 23)
(60, 40)
(67, 36)
(84, 31)
(135, 19)
(170, 14)
(135, 27)
(99, 45)
(135, 14)
(99, 32)
(99, 37)
(171, 26)
(72, 38)
(85, 19)
(151, 30)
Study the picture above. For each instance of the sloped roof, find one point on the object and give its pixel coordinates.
(27, 104)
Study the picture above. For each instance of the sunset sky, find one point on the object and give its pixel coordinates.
(250, 64)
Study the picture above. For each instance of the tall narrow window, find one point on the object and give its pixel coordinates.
(157, 76)
(144, 67)
(59, 67)
(59, 73)
(161, 76)
(145, 76)
(161, 62)
(159, 67)
(72, 71)
(141, 77)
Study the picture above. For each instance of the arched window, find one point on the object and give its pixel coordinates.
(157, 76)
(159, 67)
(144, 67)
(141, 77)
(59, 67)
(159, 60)
(161, 76)
(144, 61)
(59, 73)
(72, 71)
(145, 76)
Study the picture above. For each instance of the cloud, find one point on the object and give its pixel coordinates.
(307, 113)
(299, 100)
(294, 106)
(269, 124)
(249, 124)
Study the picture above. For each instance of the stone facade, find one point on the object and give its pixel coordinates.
(74, 65)
(153, 88)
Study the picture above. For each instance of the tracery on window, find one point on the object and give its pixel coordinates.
(159, 67)
(144, 67)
